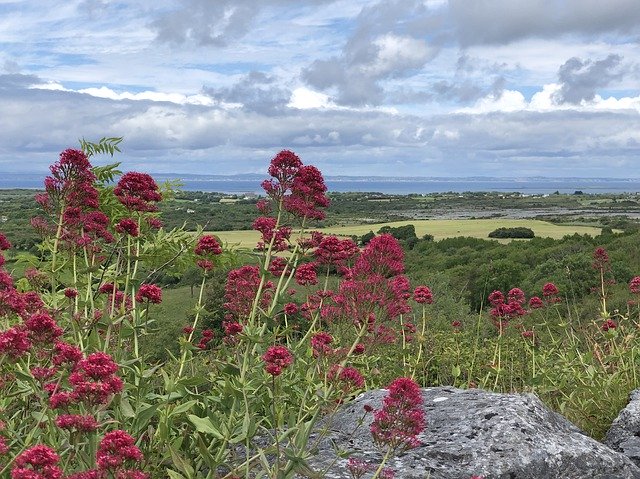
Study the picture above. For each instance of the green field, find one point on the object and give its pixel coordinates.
(440, 229)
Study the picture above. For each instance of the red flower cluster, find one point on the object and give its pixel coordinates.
(306, 274)
(266, 225)
(207, 247)
(77, 422)
(116, 451)
(383, 255)
(535, 303)
(600, 259)
(401, 419)
(4, 243)
(423, 295)
(241, 289)
(37, 462)
(150, 293)
(42, 328)
(276, 359)
(207, 336)
(138, 192)
(609, 324)
(93, 379)
(503, 312)
(634, 285)
(71, 191)
(332, 250)
(128, 226)
(14, 342)
(320, 344)
(348, 378)
(300, 188)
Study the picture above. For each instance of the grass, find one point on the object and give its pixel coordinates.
(440, 229)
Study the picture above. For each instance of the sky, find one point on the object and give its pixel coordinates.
(447, 88)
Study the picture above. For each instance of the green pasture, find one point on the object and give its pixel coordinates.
(440, 229)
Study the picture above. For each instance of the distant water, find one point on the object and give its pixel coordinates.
(377, 184)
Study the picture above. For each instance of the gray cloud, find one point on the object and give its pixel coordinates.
(257, 92)
(205, 22)
(384, 46)
(505, 21)
(581, 78)
(200, 139)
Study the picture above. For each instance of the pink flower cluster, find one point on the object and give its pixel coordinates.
(241, 289)
(401, 419)
(207, 248)
(150, 293)
(37, 462)
(300, 189)
(138, 192)
(504, 311)
(279, 236)
(276, 359)
(93, 380)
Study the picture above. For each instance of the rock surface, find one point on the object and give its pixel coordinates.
(475, 432)
(624, 434)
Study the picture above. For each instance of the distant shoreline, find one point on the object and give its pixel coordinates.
(241, 184)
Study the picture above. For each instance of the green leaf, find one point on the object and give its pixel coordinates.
(204, 425)
(125, 407)
(175, 475)
(184, 407)
(180, 462)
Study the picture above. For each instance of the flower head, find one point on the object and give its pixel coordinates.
(138, 192)
(37, 462)
(401, 419)
(116, 449)
(149, 292)
(423, 295)
(128, 226)
(634, 285)
(276, 359)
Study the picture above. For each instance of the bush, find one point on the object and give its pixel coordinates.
(518, 232)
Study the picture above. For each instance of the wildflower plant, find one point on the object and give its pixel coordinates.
(303, 321)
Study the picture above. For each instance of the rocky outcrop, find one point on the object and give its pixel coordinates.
(474, 432)
(624, 434)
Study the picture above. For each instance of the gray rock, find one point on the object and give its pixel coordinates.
(474, 432)
(624, 433)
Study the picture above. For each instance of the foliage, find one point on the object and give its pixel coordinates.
(512, 233)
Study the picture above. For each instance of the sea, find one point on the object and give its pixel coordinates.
(400, 186)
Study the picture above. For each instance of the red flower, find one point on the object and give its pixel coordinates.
(116, 449)
(276, 359)
(383, 255)
(349, 378)
(232, 328)
(42, 328)
(207, 246)
(14, 342)
(517, 295)
(320, 344)
(277, 266)
(600, 259)
(535, 303)
(423, 295)
(496, 298)
(149, 292)
(138, 192)
(78, 422)
(306, 274)
(291, 308)
(37, 462)
(66, 353)
(634, 285)
(401, 419)
(187, 330)
(3, 446)
(609, 324)
(128, 226)
(71, 293)
(4, 243)
(549, 289)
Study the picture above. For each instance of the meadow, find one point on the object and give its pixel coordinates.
(440, 229)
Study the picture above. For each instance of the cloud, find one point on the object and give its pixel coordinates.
(384, 46)
(506, 21)
(581, 78)
(206, 23)
(255, 91)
